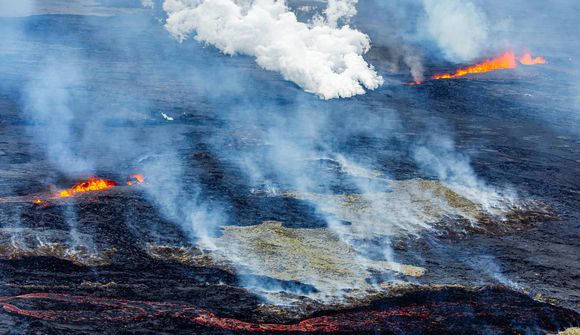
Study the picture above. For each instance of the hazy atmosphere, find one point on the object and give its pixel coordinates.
(289, 167)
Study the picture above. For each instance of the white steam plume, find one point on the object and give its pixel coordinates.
(340, 10)
(440, 158)
(459, 28)
(48, 98)
(319, 58)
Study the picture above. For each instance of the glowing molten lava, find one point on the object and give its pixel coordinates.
(93, 184)
(506, 61)
(527, 59)
(136, 179)
(426, 316)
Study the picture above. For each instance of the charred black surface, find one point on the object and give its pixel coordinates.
(533, 254)
(448, 310)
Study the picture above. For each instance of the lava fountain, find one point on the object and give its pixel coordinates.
(508, 60)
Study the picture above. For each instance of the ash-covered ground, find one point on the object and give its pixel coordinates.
(447, 207)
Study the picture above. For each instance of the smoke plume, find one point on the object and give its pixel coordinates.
(321, 59)
(49, 107)
(350, 163)
(459, 28)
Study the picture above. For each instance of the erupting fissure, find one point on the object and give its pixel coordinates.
(135, 179)
(92, 184)
(508, 60)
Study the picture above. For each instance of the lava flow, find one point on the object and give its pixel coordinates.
(506, 61)
(135, 179)
(92, 184)
(503, 312)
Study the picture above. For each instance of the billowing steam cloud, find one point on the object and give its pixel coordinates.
(340, 10)
(459, 28)
(320, 58)
(297, 149)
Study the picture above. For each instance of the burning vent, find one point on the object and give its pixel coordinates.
(506, 61)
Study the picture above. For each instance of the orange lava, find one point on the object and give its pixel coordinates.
(92, 184)
(136, 179)
(427, 316)
(506, 61)
(527, 59)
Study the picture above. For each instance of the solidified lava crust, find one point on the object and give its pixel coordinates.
(450, 311)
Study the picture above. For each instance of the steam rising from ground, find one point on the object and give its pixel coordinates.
(459, 28)
(324, 57)
(320, 58)
(439, 158)
(50, 109)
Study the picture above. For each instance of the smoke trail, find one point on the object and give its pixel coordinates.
(268, 31)
(48, 101)
(180, 199)
(438, 156)
(87, 121)
(459, 28)
(320, 59)
(349, 197)
(393, 29)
